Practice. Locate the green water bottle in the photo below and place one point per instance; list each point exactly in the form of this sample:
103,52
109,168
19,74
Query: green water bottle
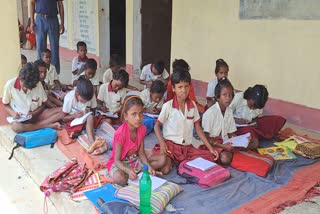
145,191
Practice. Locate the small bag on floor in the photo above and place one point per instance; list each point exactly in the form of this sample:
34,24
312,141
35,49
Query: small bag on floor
308,150
33,139
208,178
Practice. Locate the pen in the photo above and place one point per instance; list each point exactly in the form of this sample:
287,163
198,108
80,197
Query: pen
75,109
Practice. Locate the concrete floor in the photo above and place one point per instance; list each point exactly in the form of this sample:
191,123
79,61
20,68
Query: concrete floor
21,176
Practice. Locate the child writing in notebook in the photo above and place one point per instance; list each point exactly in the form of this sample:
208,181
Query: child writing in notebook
178,117
247,108
79,61
221,70
152,72
128,155
112,94
51,78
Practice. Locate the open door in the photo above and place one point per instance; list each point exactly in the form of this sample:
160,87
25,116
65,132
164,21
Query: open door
156,19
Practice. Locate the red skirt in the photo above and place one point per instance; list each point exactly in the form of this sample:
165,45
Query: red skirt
180,153
267,127
75,131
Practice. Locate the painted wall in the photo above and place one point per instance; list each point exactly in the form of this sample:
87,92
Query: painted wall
10,59
282,54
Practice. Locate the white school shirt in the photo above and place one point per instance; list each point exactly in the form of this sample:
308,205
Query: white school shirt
22,102
146,99
107,75
216,124
111,99
211,87
94,80
51,76
146,74
77,63
241,110
178,127
71,105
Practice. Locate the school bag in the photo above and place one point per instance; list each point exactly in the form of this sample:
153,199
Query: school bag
208,178
35,138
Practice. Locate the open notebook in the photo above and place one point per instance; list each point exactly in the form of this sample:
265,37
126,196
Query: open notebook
80,120
155,181
201,164
19,120
239,141
107,114
247,124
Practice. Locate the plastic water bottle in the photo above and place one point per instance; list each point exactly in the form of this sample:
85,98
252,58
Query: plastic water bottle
145,191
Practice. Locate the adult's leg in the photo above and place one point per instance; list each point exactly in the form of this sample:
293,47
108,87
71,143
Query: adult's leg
41,34
54,34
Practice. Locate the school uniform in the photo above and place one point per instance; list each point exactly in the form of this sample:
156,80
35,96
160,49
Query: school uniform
71,105
77,63
94,80
107,75
51,76
216,124
145,96
211,87
112,100
266,126
21,102
147,75
178,131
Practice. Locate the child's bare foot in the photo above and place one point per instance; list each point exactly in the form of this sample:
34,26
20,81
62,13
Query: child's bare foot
97,143
56,126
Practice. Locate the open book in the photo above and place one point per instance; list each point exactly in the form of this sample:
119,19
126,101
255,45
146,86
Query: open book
80,120
201,164
19,120
155,181
151,115
108,114
239,141
247,124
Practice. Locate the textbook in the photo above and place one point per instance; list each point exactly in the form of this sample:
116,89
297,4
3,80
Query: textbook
278,152
107,114
80,120
201,164
155,181
151,115
19,120
239,141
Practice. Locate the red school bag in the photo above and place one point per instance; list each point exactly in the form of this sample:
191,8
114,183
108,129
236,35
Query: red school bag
208,178
249,161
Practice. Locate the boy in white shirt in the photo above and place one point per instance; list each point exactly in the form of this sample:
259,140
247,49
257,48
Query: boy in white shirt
52,78
115,65
79,61
24,95
153,72
153,97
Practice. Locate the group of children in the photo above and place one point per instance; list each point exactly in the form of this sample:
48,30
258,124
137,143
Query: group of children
171,97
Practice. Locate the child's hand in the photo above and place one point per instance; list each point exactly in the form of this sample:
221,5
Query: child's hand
215,153
17,115
78,114
228,147
133,175
152,171
104,109
163,148
117,112
75,72
242,121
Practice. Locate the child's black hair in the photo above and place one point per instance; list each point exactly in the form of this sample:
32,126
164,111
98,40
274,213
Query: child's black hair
81,44
45,51
222,83
39,63
122,76
259,94
130,101
115,60
91,64
180,64
23,57
220,63
29,76
180,75
159,65
158,87
85,88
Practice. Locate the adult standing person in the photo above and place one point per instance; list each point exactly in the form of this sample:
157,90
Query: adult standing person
47,23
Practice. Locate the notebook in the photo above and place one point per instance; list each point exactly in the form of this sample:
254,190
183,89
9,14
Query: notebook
108,114
80,120
239,141
244,125
155,181
151,115
201,164
19,120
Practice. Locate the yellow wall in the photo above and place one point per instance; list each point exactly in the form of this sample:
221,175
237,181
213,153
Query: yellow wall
129,31
10,57
282,54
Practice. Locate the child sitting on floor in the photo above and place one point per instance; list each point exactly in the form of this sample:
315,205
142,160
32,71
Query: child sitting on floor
75,105
221,70
112,94
115,65
52,100
51,78
152,72
247,110
79,61
24,95
128,155
178,117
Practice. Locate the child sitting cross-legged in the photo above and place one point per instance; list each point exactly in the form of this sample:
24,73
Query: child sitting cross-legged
79,61
128,155
51,78
178,117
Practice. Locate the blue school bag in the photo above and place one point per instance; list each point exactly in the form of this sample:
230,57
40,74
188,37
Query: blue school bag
36,138
149,122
